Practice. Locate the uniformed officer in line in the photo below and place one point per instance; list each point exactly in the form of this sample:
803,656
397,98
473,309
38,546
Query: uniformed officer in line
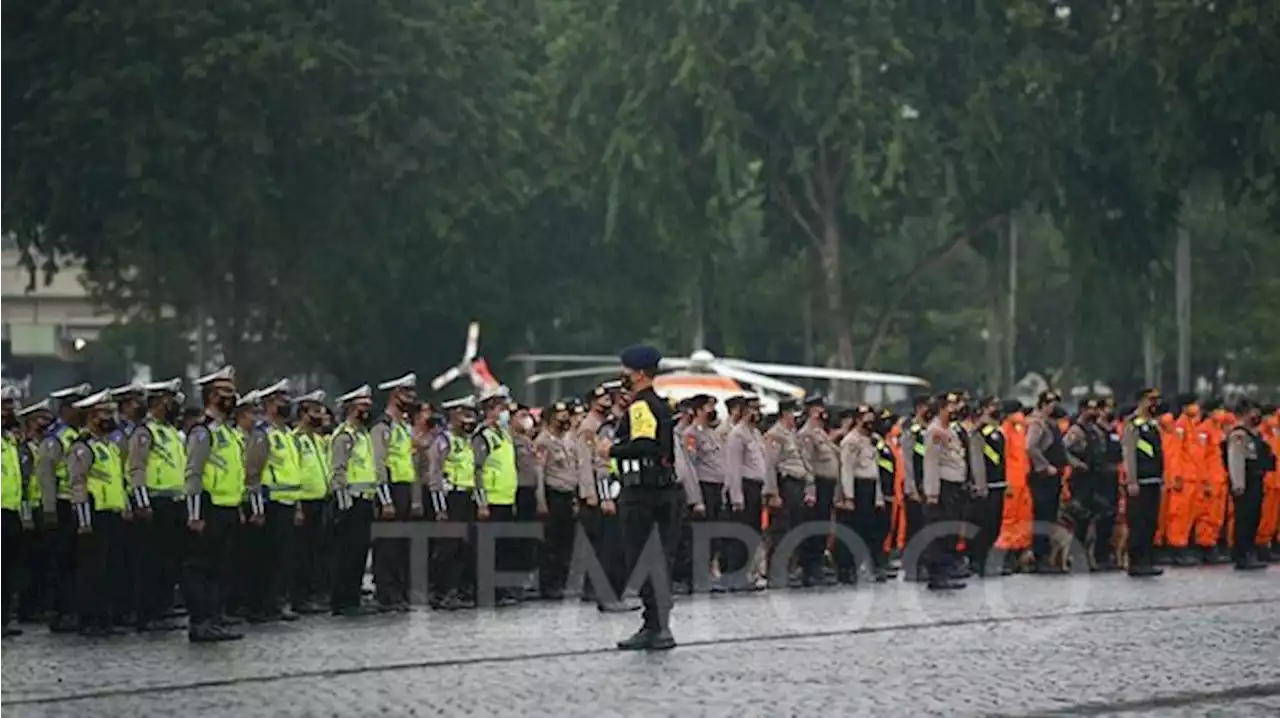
495,471
652,503
886,469
156,460
358,493
794,491
603,527
272,469
33,589
913,445
58,516
131,410
14,481
313,555
457,496
946,472
687,476
214,479
1110,425
1048,458
392,437
1249,458
557,497
1144,476
1092,487
528,468
986,452
736,406
705,447
744,471
861,496
96,474
822,455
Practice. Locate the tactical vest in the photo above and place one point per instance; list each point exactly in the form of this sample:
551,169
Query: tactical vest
35,494
1057,451
993,456
963,434
223,477
105,482
1259,460
1149,450
886,464
460,464
281,476
1094,454
1114,449
400,454
916,432
500,479
11,478
313,466
166,462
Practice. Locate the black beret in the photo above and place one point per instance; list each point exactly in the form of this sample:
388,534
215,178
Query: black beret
1047,396
1010,406
558,407
815,400
597,393
735,401
640,357
1185,400
1244,406
788,405
1090,403
847,414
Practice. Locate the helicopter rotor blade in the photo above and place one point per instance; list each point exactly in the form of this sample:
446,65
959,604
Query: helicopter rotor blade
570,373
566,358
473,342
760,380
446,378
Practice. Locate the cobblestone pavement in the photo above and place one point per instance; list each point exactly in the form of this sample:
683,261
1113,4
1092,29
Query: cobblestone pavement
1195,642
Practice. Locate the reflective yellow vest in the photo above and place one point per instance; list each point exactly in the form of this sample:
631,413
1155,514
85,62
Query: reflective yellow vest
223,476
35,494
11,477
313,466
400,454
460,464
66,436
281,476
500,479
167,460
105,481
360,478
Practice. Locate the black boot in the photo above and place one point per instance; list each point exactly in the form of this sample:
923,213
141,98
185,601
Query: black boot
1215,556
662,640
1266,555
945,583
1146,571
639,641
1250,563
1183,557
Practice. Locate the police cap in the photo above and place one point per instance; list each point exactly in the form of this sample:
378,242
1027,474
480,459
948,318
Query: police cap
1146,392
44,405
79,391
641,357
788,404
814,400
1009,407
1048,396
408,381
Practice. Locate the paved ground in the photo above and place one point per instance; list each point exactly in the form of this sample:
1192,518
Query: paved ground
1196,642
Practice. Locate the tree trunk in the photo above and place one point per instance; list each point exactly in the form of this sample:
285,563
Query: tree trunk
837,322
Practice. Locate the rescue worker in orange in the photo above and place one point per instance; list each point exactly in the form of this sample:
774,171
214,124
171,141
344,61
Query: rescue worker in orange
1269,522
1183,480
1015,523
1168,438
1211,510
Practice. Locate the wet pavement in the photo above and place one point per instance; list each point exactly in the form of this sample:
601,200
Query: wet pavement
1195,642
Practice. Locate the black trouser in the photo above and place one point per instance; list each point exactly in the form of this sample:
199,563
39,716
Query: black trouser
795,515
282,532
986,514
684,568
1046,495
311,555
735,555
1143,515
209,562
62,557
813,548
605,534
505,559
913,512
1248,515
101,579
158,557
526,551
845,558
351,538
244,541
1093,503
12,527
558,534
865,522
940,552
33,584
880,534
455,558
651,528
391,555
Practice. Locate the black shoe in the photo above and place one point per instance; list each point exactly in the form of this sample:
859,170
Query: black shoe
1250,563
65,623
1215,556
551,594
617,607
95,631
311,608
946,584
1266,555
258,617
354,611
451,602
1185,559
212,633
682,588
1145,571
506,600
641,640
1104,566
662,640
159,626
228,621
1163,557
11,630
880,576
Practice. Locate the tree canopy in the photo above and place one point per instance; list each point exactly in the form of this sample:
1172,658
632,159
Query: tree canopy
337,189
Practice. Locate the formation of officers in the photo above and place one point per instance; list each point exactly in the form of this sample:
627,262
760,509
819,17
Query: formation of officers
260,506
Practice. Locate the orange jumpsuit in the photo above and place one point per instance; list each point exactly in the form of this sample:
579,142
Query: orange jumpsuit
1211,510
1015,524
1269,524
1183,479
897,537
1172,448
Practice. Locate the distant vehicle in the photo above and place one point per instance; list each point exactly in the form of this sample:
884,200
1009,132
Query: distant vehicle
704,373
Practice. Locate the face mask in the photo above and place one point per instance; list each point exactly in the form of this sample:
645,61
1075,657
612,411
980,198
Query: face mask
10,422
362,416
227,403
107,424
504,419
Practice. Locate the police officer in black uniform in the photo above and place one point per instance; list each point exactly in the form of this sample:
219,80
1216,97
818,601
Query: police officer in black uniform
1144,477
1092,487
1248,459
651,502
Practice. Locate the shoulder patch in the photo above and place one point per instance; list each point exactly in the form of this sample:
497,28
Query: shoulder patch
691,442
644,425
